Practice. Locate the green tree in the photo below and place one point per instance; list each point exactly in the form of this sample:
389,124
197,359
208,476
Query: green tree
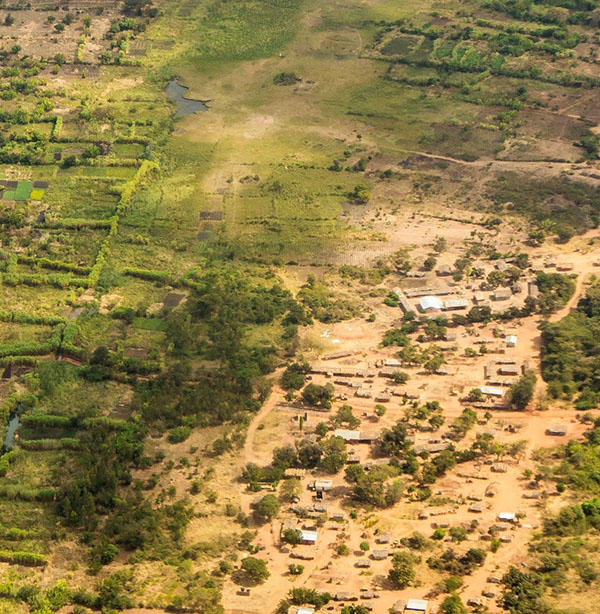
291,536
294,376
255,569
334,454
453,605
402,574
315,394
267,507
521,392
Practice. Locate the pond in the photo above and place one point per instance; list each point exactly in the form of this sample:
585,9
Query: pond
185,106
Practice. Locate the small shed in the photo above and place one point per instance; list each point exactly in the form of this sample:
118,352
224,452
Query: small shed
499,468
450,335
509,370
511,341
363,564
321,485
305,610
492,490
398,607
507,517
416,605
444,270
379,555
476,508
565,266
453,304
502,294
308,537
557,430
533,289
393,362
384,538
493,391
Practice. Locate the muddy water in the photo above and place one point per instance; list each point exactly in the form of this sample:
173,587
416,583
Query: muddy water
185,106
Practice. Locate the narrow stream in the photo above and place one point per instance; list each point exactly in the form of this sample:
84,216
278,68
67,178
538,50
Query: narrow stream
11,428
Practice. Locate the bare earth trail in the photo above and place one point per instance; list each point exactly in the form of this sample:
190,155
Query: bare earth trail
517,164
275,397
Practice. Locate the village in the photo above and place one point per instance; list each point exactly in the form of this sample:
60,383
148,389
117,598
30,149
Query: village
498,497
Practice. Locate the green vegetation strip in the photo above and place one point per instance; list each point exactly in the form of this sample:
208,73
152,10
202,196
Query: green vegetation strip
127,191
28,559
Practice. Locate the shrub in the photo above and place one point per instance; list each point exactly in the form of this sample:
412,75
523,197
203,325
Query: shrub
179,434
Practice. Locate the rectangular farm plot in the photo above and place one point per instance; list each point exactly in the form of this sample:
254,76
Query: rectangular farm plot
37,194
20,190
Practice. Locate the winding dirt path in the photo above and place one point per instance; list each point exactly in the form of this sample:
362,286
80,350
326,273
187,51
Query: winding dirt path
519,164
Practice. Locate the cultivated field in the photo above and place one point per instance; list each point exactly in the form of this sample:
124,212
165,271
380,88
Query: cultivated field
411,186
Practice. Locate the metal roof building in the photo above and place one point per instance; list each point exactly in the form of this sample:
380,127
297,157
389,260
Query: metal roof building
493,391
430,303
455,303
308,537
507,517
416,605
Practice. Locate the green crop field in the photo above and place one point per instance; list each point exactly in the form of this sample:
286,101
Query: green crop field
158,275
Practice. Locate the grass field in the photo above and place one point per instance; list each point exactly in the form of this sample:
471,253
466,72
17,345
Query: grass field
333,131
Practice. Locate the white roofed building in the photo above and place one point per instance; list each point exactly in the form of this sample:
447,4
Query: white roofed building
416,605
430,303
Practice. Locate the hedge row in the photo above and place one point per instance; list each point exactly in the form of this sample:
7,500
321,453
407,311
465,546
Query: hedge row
64,443
14,534
26,349
54,265
29,559
60,340
6,460
48,421
65,422
23,317
149,274
75,223
127,190
18,360
13,491
58,122
114,424
58,280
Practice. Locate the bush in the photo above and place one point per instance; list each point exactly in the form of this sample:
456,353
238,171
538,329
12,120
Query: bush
286,78
179,434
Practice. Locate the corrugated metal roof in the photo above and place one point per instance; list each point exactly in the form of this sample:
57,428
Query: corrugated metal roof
492,390
308,536
430,302
347,434
417,604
